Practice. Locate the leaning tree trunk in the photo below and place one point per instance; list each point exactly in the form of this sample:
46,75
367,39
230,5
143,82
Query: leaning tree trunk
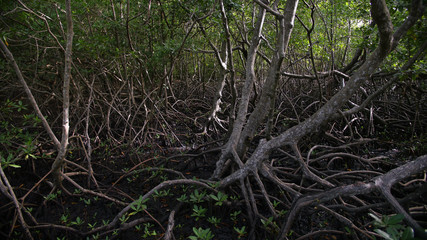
253,166
235,146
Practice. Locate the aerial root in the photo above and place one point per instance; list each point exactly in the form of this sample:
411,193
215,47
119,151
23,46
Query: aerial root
345,220
382,183
264,193
306,169
171,223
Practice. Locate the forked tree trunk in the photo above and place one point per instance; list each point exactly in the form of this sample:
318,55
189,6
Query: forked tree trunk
266,101
244,128
246,92
254,164
381,16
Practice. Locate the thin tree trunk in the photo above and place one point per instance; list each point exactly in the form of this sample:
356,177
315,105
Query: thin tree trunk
212,117
59,161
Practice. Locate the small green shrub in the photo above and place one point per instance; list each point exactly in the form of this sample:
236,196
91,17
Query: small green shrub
202,234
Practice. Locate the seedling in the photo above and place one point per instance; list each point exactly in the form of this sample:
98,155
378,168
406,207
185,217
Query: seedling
282,212
78,221
91,226
8,162
214,184
202,234
183,198
124,218
241,232
184,188
197,197
270,225
234,197
198,212
95,236
214,220
86,201
220,198
52,196
161,193
132,178
64,218
138,205
163,178
234,215
147,232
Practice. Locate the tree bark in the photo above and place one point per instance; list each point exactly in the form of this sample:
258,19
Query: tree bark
59,161
266,102
246,92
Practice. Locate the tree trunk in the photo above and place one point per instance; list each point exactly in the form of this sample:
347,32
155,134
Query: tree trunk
265,102
59,161
246,92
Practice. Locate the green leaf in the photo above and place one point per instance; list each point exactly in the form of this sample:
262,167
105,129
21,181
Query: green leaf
392,232
407,234
213,197
395,219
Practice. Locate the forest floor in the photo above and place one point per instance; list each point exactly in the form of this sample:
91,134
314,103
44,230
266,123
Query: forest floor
125,173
